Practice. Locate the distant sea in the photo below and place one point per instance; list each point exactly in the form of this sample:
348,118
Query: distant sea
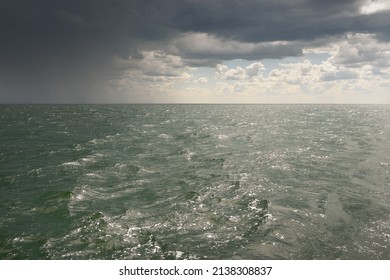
195,182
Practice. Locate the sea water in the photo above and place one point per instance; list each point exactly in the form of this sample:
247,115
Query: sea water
195,182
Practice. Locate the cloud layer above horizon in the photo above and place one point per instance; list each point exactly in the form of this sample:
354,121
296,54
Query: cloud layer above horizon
191,51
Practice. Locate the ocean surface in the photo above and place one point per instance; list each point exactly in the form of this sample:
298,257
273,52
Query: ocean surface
195,182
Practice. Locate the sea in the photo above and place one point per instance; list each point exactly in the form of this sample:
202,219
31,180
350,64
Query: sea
210,182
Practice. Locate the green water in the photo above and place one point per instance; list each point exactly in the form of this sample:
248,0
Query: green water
195,182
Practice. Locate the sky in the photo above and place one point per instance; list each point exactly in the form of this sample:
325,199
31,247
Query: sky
195,51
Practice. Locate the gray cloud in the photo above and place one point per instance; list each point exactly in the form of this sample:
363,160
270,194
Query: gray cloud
203,46
63,51
259,21
340,75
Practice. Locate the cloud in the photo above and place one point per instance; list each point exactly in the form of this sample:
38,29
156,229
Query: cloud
151,73
158,64
250,73
374,6
205,46
79,50
358,50
299,77
265,21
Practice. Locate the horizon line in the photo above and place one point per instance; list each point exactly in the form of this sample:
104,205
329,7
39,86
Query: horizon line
167,103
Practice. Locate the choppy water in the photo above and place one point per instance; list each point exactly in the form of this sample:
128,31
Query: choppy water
195,182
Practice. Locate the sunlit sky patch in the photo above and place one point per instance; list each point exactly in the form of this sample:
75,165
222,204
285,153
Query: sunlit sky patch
374,6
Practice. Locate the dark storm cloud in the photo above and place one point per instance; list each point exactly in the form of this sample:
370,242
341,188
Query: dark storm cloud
62,50
59,26
258,21
264,20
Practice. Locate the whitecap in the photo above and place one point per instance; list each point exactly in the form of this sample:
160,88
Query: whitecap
235,219
71,163
92,158
319,157
35,171
164,136
281,166
141,182
221,146
178,254
89,159
222,136
120,165
78,147
95,175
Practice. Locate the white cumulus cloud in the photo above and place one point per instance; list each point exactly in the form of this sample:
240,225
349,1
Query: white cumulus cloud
249,73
